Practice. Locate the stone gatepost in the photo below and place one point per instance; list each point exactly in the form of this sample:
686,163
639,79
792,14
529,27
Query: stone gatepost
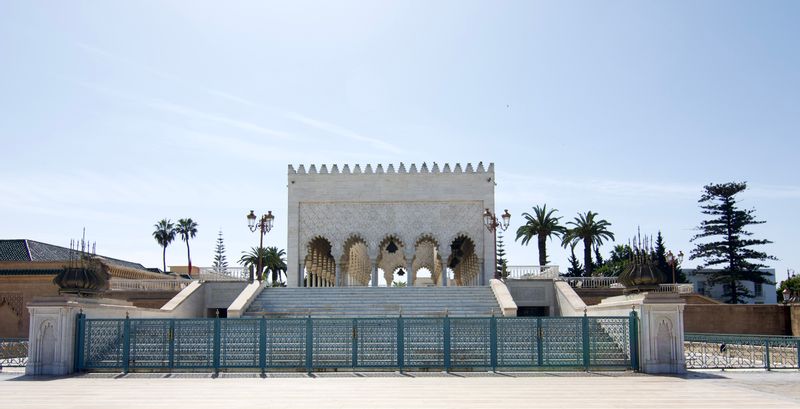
660,328
52,337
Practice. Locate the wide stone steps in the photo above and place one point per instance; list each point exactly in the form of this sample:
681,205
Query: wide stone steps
354,302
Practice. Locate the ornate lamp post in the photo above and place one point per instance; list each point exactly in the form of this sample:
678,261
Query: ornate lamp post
673,261
491,223
264,225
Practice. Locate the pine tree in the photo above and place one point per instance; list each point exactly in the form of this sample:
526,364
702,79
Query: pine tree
660,254
599,262
220,264
502,262
732,249
501,253
575,267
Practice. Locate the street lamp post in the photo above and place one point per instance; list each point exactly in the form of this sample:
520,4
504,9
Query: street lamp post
673,261
264,225
491,223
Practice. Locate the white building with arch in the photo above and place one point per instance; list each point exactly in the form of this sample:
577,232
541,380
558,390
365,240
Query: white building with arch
348,225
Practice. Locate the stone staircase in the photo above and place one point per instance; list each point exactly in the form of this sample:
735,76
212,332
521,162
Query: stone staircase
357,302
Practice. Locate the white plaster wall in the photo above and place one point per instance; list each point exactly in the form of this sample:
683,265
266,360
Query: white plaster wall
533,293
374,205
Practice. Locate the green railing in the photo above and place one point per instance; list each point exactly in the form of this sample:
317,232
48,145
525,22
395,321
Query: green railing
13,352
400,343
719,351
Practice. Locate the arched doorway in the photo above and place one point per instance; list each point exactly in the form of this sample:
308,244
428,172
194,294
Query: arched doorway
464,262
427,262
356,267
391,262
319,265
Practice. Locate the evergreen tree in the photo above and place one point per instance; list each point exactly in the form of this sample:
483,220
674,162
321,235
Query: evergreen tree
620,256
502,262
599,262
731,247
220,264
575,267
660,254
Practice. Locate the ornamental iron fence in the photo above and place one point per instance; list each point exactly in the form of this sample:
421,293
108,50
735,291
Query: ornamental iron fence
400,343
13,352
719,351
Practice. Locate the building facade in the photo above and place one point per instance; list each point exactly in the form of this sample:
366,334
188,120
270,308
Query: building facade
354,226
762,293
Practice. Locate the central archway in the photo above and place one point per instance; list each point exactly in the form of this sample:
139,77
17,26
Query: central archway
391,261
427,260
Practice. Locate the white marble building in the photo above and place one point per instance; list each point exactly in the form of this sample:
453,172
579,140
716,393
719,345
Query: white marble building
349,224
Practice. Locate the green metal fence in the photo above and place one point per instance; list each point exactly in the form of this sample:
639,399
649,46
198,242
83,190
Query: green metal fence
718,351
13,352
362,343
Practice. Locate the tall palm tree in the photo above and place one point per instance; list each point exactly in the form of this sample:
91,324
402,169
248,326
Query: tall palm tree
543,224
275,263
164,235
589,231
187,228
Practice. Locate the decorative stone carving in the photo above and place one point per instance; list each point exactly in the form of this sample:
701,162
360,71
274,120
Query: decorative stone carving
375,221
14,301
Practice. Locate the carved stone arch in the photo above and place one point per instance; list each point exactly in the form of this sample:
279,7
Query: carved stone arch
319,263
426,236
315,238
391,236
351,239
463,260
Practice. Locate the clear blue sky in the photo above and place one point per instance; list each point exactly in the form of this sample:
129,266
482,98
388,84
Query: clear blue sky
117,114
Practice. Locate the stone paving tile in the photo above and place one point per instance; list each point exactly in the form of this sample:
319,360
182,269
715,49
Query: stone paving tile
707,390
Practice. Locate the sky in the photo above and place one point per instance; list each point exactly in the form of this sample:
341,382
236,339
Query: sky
114,115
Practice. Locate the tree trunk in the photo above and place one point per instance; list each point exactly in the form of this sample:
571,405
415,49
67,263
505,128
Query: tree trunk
164,258
189,257
542,250
587,257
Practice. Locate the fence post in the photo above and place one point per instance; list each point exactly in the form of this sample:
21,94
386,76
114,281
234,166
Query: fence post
262,344
217,343
309,344
766,354
446,323
633,339
493,342
354,348
586,360
798,353
79,336
126,344
400,343
171,336
539,336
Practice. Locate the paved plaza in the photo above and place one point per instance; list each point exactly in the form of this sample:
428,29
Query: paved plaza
714,389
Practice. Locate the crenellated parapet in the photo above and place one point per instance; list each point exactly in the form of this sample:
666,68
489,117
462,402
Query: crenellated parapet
380,169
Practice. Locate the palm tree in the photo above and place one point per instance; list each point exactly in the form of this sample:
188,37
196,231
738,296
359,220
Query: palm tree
543,224
187,228
164,235
589,231
275,263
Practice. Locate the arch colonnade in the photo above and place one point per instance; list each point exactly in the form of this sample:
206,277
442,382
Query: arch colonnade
358,262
